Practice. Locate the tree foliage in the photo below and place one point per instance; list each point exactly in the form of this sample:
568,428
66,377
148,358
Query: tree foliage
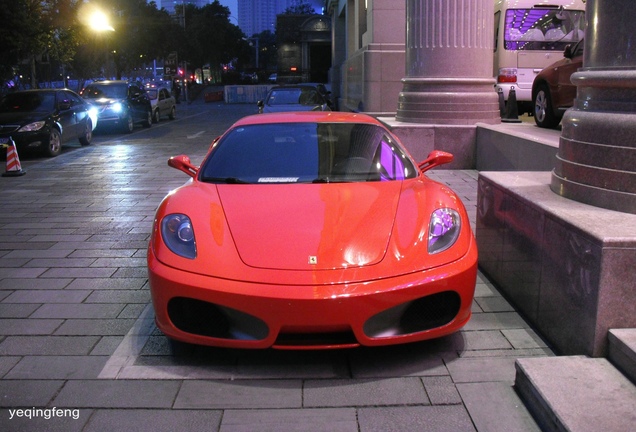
35,31
46,39
211,38
300,7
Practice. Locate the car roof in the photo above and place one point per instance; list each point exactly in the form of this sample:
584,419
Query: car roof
292,86
48,90
122,82
308,116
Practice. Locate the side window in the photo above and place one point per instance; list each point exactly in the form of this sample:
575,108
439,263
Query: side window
391,161
134,91
72,98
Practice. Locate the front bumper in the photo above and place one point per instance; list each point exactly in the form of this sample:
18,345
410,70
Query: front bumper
209,311
28,140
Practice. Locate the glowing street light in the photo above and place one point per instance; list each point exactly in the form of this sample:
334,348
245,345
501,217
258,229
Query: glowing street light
98,21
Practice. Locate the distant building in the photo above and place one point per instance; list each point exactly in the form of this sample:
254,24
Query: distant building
172,5
256,16
304,48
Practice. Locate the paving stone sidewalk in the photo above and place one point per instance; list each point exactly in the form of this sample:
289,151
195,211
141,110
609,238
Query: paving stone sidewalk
79,350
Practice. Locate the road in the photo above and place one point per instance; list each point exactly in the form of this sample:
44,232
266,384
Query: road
77,329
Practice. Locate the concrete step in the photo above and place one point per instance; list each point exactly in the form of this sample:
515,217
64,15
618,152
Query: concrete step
577,394
622,351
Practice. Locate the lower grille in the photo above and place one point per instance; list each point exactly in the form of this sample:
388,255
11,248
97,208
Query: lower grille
425,313
208,319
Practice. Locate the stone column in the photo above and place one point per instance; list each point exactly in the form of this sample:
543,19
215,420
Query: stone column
596,162
449,49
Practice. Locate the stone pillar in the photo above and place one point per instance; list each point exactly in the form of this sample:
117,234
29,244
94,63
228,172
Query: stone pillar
596,162
449,49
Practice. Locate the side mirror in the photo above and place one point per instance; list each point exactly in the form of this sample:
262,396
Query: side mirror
435,158
567,52
182,163
260,104
64,105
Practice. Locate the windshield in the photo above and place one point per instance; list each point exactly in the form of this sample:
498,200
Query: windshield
542,29
112,91
26,102
306,153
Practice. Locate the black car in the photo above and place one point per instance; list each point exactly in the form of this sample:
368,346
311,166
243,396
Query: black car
119,103
300,97
45,119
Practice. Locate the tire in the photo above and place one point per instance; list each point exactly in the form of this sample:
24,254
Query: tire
544,116
156,116
148,122
54,144
129,124
86,137
173,113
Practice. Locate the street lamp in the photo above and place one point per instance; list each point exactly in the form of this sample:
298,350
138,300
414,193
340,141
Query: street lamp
99,22
255,46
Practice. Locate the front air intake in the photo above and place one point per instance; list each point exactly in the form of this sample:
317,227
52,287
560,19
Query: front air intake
208,319
425,313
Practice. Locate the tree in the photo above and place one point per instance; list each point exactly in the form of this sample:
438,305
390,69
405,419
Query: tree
211,38
24,33
300,7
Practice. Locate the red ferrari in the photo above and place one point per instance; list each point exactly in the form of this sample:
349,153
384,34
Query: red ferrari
310,230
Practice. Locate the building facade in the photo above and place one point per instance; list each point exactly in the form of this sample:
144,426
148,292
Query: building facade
368,53
258,16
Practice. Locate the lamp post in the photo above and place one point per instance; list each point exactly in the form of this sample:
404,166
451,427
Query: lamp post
99,22
255,45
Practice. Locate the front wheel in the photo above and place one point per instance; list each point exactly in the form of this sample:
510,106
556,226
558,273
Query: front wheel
87,136
544,116
129,124
156,116
54,144
148,122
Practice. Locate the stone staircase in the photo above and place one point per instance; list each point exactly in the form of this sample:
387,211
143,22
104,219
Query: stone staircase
583,394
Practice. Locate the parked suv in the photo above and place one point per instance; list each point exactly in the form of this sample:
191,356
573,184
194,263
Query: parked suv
553,91
119,103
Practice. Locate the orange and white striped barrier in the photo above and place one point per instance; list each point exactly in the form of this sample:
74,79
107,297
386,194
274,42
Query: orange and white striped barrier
13,168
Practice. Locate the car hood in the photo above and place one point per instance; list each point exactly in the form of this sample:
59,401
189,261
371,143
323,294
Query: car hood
309,234
310,227
104,101
22,118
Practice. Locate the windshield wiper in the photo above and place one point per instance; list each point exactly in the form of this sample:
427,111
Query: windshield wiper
321,180
227,180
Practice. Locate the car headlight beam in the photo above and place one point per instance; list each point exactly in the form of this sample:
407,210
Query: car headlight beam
178,235
117,107
443,230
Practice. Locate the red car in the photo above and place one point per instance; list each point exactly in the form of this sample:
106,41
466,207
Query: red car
310,230
552,89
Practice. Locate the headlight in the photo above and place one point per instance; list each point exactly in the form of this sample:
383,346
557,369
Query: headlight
443,230
117,107
32,126
178,235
